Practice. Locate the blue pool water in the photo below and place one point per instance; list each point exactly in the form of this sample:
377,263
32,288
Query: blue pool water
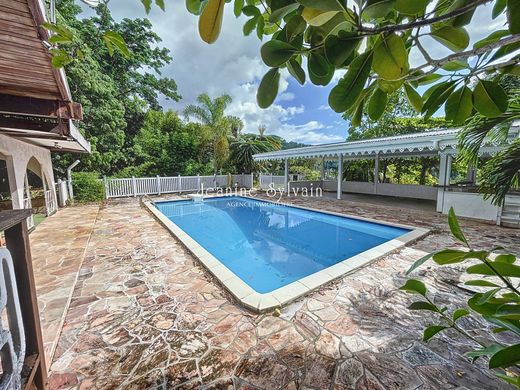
269,245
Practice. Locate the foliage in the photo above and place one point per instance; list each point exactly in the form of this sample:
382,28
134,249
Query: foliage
499,305
87,187
211,114
503,170
114,90
167,146
245,146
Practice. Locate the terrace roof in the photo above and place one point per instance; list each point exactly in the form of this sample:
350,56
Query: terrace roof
406,145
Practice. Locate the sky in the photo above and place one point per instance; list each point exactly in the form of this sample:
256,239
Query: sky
233,65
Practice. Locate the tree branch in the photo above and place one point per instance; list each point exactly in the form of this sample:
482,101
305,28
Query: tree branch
422,22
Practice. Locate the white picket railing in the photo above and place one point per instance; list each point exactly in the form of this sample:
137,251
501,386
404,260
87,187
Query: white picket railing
137,186
28,205
50,203
267,180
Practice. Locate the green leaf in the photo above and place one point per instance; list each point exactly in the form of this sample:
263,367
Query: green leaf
513,16
345,93
318,65
503,269
323,5
295,27
260,27
377,104
338,50
449,256
509,312
358,114
375,9
268,88
490,99
237,6
414,286
439,94
481,283
390,58
431,331
147,5
195,6
512,380
316,18
420,262
499,7
160,4
456,65
459,313
249,26
488,295
495,36
510,259
505,357
389,86
251,11
296,70
280,8
60,58
459,106
428,79
275,53
114,40
455,39
490,350
455,227
413,97
423,306
411,7
210,21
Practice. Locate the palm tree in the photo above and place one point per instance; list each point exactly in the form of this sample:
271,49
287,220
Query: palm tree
247,145
211,113
236,126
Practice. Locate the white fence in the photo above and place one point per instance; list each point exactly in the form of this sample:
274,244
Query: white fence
27,205
137,186
267,180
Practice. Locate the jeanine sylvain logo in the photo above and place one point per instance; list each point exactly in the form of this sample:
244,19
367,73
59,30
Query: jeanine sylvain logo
271,192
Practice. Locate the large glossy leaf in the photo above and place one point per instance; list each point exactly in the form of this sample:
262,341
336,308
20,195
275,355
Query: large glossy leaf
237,6
210,20
275,53
489,99
505,357
390,57
456,39
296,70
437,97
498,8
455,65
495,36
459,313
431,331
315,17
377,104
423,306
506,258
420,262
459,106
338,50
377,8
449,256
490,350
280,8
195,6
411,7
480,283
323,5
348,89
504,269
358,114
488,295
513,16
249,26
268,88
294,27
510,312
455,227
413,97
320,70
389,86
414,286
115,41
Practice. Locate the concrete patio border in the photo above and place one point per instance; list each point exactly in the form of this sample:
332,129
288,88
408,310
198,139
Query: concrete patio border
261,303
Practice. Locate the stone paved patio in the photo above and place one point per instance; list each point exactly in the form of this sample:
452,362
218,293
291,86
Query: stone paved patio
144,314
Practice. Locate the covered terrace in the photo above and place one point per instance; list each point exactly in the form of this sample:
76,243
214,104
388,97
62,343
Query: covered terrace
439,143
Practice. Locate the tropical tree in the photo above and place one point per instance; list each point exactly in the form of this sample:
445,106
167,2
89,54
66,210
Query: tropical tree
237,125
211,114
247,145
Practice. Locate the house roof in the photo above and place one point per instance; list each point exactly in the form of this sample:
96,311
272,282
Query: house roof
406,145
35,99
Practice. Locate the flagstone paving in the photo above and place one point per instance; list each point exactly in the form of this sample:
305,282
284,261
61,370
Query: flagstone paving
57,247
144,314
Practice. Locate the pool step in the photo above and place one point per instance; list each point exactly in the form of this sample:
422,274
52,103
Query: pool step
511,212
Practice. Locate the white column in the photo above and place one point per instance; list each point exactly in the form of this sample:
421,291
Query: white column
340,176
376,172
322,168
445,161
286,176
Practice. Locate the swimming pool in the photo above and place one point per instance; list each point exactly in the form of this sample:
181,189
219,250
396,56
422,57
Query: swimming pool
270,247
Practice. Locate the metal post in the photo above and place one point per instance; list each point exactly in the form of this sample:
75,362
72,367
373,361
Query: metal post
158,185
198,182
180,182
376,172
106,187
286,176
340,176
322,173
69,178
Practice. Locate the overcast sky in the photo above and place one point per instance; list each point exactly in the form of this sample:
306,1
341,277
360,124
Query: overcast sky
233,65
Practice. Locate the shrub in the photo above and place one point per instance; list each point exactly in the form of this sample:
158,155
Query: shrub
87,187
499,304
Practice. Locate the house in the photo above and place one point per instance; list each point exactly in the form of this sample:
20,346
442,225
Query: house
37,113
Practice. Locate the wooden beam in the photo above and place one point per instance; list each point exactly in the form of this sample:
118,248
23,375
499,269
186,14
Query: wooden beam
9,122
21,105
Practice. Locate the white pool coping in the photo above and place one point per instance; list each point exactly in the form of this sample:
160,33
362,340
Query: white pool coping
284,295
